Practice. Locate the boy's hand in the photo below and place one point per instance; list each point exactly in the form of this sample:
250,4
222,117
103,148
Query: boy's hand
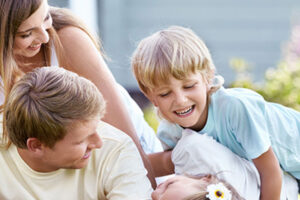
270,175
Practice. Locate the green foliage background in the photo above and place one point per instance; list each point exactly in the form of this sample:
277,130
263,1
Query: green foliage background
281,84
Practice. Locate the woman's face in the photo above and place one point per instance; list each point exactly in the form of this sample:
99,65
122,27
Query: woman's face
178,188
32,32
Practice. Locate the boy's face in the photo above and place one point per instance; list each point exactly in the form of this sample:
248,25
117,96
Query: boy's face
178,188
183,102
74,150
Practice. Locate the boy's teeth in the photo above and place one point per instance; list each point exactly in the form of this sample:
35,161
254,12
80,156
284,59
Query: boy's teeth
184,111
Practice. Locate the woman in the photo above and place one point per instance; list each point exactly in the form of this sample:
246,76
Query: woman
33,35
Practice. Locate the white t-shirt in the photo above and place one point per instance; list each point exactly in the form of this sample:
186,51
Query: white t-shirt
114,172
197,154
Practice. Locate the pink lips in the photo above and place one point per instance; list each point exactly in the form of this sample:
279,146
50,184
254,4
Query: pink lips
35,48
187,113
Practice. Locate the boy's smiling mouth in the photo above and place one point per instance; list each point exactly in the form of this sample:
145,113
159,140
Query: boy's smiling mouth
185,112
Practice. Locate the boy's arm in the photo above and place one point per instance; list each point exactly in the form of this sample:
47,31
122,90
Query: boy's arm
161,163
270,175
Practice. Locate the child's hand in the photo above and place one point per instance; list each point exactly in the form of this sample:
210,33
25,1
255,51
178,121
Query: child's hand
270,175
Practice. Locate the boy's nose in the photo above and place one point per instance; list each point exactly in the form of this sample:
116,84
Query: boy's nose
180,98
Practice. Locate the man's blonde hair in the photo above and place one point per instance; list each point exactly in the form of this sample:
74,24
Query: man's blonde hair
45,102
175,51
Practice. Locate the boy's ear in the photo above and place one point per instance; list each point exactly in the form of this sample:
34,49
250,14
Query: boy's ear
34,145
151,98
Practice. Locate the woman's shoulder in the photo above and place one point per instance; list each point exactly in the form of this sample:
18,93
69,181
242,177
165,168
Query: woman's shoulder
71,34
78,47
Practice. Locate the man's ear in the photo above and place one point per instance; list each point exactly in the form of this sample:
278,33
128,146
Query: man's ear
34,145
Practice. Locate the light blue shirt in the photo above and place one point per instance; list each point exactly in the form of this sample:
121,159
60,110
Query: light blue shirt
244,122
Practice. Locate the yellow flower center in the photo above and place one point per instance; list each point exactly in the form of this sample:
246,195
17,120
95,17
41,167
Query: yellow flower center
219,194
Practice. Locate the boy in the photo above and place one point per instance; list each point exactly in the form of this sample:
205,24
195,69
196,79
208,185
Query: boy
60,149
175,71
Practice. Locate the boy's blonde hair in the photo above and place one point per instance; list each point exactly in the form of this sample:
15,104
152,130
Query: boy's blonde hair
175,51
46,102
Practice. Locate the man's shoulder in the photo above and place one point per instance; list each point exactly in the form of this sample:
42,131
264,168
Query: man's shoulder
108,132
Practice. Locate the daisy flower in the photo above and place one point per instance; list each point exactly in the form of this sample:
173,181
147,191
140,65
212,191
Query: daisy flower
218,192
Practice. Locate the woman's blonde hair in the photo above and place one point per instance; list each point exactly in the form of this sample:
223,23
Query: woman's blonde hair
44,103
175,51
212,179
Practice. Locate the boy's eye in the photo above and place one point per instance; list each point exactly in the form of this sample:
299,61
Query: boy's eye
189,86
164,94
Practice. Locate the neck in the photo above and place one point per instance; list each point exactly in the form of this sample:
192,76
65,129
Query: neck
27,64
33,161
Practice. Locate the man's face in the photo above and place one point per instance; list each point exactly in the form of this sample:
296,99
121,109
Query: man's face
74,150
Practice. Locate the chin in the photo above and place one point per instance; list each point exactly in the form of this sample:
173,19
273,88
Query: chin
187,124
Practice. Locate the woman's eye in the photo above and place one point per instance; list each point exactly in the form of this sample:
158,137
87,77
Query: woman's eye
26,35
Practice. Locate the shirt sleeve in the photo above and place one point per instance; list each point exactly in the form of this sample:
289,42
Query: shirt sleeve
247,121
126,177
169,134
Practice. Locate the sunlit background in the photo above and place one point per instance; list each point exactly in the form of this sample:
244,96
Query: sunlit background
252,30
254,44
